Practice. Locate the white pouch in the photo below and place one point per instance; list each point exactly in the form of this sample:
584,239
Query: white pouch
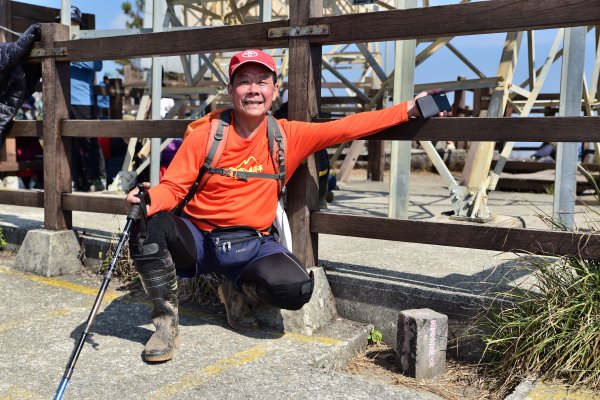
282,225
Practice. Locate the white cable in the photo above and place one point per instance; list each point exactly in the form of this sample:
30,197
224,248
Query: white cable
10,31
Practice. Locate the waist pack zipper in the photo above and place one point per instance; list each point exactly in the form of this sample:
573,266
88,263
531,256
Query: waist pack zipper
225,243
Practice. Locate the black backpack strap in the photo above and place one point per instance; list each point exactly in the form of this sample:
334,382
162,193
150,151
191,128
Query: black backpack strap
224,121
274,133
242,175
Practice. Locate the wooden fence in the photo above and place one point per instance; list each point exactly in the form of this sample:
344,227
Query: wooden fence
304,91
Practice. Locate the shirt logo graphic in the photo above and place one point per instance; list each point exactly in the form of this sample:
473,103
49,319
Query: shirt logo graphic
245,166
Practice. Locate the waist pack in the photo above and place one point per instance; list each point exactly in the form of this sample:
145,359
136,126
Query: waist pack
232,247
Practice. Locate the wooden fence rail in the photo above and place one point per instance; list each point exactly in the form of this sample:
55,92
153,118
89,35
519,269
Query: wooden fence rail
442,21
555,129
304,88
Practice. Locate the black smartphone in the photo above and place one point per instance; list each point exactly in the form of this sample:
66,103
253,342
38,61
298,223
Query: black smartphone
432,104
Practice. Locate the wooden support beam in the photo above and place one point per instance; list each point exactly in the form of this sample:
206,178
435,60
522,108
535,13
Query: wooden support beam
376,160
473,236
56,97
26,198
554,129
94,203
458,20
190,41
304,85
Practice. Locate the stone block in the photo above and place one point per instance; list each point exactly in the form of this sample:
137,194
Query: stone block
318,312
49,253
422,343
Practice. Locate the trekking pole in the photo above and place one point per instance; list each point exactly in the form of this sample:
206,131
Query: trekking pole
133,215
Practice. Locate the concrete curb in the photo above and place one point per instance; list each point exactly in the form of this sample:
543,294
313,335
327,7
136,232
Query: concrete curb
522,390
92,245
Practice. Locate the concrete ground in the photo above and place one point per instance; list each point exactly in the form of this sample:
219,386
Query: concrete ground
42,318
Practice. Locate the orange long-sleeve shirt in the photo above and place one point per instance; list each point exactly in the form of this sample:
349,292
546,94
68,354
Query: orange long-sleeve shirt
225,201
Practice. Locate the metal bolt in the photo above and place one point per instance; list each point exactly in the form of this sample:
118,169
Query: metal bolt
297,31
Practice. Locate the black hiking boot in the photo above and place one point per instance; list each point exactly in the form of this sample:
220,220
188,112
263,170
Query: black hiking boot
161,286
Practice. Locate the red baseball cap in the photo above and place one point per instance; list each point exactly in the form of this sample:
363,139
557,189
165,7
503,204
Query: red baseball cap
251,55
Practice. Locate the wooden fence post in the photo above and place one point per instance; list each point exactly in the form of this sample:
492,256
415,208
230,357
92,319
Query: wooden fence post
56,97
304,88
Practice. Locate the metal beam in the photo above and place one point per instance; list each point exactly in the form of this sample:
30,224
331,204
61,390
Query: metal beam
404,78
571,81
474,202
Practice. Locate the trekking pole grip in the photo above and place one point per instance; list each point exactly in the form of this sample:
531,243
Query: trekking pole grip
136,209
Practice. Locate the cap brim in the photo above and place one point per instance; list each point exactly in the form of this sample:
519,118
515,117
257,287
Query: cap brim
252,61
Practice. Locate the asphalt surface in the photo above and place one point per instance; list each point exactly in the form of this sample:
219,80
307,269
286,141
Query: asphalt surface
41,319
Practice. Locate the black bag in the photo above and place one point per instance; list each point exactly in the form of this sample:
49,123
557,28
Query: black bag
232,247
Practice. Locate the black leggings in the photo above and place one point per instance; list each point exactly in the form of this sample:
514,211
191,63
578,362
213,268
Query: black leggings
167,236
169,240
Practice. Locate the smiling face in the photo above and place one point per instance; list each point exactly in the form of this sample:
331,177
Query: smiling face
253,90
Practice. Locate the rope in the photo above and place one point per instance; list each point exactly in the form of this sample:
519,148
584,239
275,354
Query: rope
10,31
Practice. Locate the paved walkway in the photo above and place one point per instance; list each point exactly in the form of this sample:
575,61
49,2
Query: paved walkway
42,318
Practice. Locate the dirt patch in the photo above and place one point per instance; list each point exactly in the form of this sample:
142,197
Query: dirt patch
8,255
460,381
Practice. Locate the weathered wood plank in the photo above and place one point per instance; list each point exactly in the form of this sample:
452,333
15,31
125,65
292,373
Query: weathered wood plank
303,78
551,129
26,14
70,201
94,203
555,129
26,129
167,128
34,13
458,20
56,97
189,41
473,236
20,165
25,198
464,235
525,167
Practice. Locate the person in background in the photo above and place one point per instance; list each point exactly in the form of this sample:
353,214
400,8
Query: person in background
103,101
88,169
30,149
587,152
547,149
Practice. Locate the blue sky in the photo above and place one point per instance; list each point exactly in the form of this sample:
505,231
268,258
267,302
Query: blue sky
483,50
